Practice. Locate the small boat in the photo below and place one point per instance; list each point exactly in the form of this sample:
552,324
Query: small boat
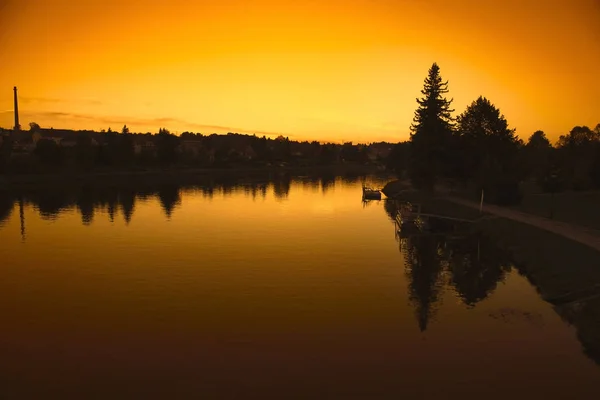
370,193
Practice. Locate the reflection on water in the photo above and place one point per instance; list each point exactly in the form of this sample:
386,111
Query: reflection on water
50,202
449,253
283,287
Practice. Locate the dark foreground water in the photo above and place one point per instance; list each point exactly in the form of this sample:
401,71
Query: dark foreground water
289,288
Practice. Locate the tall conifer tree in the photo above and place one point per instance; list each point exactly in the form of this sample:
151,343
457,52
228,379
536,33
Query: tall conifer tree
431,133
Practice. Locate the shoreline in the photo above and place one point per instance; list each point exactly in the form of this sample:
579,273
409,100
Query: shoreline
173,175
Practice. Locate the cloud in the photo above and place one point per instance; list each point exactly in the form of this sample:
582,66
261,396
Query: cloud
53,100
142,123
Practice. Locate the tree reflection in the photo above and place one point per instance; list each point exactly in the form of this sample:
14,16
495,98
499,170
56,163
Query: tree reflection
476,267
327,182
281,186
351,178
473,262
50,203
112,202
127,203
6,206
85,204
258,189
169,198
424,271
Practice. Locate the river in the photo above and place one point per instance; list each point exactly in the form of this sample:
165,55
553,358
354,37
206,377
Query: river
287,287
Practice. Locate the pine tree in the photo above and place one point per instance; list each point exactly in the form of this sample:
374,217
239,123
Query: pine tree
490,150
431,132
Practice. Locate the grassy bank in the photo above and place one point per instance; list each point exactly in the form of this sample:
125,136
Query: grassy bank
578,208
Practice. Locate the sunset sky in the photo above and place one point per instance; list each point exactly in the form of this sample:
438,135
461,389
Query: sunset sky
326,70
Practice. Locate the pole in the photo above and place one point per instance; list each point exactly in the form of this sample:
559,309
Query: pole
481,203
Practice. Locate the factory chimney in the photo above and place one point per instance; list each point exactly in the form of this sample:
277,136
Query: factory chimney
17,126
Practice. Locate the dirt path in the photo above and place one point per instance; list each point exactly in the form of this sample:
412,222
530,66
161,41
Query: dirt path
589,237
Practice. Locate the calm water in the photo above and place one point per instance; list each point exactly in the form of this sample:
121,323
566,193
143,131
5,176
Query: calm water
291,288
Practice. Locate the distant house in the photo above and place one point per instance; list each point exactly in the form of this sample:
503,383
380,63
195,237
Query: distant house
144,146
37,136
243,151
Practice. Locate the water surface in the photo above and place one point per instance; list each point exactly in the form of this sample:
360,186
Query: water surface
281,288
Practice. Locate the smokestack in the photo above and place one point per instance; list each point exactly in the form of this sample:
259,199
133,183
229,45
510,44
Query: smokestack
17,126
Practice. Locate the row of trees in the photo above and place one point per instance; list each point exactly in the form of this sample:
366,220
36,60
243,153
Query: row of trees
89,150
478,148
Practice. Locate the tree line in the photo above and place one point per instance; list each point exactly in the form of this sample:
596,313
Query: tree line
89,150
478,150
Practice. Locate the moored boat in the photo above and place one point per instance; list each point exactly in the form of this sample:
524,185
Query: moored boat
370,193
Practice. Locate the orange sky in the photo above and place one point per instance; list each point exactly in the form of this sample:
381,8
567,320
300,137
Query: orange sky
327,70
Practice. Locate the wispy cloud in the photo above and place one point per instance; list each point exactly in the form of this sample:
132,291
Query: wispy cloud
141,123
54,100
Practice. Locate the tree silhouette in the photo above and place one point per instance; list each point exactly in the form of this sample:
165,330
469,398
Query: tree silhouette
86,154
577,152
398,160
595,166
537,155
431,132
167,144
490,151
34,127
126,150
